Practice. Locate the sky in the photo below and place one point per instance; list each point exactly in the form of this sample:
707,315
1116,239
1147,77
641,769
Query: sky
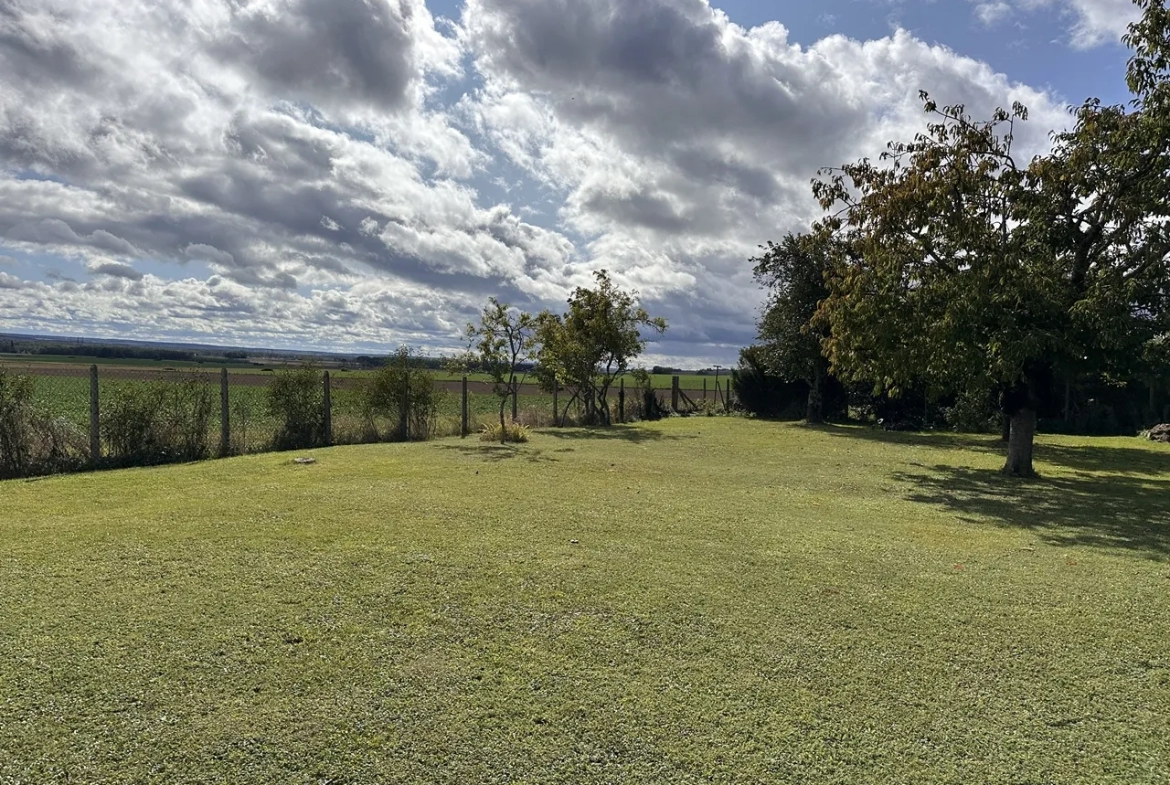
353,175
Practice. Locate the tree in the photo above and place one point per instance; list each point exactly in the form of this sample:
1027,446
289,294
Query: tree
960,266
504,339
403,391
793,271
593,343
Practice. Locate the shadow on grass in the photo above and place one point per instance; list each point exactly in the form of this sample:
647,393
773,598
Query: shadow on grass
1109,510
498,453
1090,458
625,433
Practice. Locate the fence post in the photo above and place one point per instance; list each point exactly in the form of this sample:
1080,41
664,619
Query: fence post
622,401
556,410
225,428
674,393
465,427
727,395
406,406
515,393
95,436
704,388
328,407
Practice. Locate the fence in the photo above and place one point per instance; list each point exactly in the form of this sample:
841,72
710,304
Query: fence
69,417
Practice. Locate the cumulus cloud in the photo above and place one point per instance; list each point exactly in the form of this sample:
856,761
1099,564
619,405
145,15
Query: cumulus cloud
316,172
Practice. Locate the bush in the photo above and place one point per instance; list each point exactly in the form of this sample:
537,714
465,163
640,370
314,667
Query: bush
296,400
513,432
149,423
402,385
32,441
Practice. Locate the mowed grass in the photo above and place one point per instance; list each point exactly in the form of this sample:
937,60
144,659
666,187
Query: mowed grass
698,600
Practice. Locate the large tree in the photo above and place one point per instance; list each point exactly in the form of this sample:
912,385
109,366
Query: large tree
960,265
593,343
793,272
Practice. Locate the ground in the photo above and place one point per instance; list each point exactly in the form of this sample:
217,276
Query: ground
697,600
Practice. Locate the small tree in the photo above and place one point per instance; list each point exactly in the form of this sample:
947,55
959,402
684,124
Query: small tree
593,344
404,391
504,339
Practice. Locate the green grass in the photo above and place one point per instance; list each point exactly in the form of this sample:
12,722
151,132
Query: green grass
699,600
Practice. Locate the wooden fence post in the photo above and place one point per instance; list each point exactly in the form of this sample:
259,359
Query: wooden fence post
328,398
95,435
674,393
622,401
704,388
556,411
225,428
465,425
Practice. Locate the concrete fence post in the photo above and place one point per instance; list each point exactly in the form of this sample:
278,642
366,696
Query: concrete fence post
328,404
95,434
465,427
225,428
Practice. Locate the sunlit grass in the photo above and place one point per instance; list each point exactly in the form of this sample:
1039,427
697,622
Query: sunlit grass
701,600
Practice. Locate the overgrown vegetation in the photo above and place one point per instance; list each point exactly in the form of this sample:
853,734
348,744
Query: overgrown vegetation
32,440
296,400
148,423
401,392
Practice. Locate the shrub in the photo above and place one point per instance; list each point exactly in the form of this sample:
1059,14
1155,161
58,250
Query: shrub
401,386
296,400
148,423
513,432
32,441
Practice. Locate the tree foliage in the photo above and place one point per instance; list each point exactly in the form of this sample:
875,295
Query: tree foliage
793,271
593,343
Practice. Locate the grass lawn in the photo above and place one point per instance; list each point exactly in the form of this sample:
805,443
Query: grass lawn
698,600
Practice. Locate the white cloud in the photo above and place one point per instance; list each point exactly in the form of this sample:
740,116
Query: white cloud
338,194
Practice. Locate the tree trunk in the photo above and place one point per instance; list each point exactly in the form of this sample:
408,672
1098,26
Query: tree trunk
1020,444
503,427
1006,433
814,409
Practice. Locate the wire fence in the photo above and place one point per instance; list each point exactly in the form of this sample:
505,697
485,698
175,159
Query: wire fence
60,418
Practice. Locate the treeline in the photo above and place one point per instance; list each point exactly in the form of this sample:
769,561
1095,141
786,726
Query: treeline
116,351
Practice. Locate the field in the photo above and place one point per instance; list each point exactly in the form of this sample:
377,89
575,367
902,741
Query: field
696,600
76,365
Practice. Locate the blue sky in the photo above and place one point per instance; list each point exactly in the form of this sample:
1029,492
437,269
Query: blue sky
355,174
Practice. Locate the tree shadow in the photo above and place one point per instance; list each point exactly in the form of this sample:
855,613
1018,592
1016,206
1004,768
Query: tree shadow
953,441
498,453
1108,510
1090,458
625,433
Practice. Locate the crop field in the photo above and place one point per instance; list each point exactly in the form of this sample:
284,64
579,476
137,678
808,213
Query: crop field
72,365
690,601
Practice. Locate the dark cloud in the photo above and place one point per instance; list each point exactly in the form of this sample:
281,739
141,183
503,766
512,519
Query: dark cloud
329,52
116,270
